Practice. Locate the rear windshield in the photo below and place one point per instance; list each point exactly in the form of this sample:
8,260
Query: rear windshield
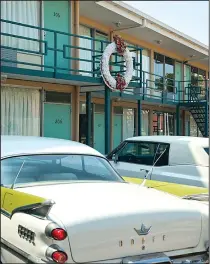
37,169
207,150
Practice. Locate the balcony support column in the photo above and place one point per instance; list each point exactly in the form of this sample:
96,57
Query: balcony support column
139,116
89,118
152,77
177,120
150,122
76,32
107,119
75,64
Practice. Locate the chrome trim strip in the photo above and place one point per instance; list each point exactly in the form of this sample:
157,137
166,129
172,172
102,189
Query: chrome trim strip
20,252
148,259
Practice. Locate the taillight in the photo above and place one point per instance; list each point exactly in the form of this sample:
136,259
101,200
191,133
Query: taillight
55,253
59,257
54,231
58,234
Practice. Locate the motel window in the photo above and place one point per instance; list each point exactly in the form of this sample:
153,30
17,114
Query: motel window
169,73
201,77
26,12
85,67
198,77
99,47
164,68
194,75
145,123
163,123
128,123
145,65
20,111
158,70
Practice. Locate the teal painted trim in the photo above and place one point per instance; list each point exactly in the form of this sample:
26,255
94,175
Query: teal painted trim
107,119
46,74
178,120
89,118
139,117
29,72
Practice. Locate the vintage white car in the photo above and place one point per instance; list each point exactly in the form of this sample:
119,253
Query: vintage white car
168,159
62,202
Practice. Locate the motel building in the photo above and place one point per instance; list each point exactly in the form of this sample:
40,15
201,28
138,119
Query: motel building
52,85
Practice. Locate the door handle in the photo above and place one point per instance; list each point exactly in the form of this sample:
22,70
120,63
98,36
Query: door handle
143,170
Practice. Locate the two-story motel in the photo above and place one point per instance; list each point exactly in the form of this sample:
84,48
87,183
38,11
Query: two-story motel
51,83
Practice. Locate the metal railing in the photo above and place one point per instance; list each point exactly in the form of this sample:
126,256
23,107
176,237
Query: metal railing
57,50
57,53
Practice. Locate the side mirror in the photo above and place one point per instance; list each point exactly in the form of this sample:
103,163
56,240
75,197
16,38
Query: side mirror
115,158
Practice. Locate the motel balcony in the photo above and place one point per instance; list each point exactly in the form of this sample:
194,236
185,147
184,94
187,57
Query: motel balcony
35,53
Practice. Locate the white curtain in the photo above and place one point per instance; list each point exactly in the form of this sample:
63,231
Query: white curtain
84,54
26,12
128,123
145,123
20,111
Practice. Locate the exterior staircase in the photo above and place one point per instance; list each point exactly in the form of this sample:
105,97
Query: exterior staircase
199,110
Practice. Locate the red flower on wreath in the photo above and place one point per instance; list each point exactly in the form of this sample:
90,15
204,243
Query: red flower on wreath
120,44
120,82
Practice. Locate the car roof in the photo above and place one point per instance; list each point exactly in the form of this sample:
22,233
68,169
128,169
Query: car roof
27,145
172,139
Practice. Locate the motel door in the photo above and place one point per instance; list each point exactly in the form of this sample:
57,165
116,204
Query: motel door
56,17
117,126
99,128
57,116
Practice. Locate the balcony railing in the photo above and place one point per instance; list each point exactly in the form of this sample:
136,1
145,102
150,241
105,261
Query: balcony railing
43,52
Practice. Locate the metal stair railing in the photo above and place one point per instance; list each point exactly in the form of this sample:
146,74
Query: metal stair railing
198,110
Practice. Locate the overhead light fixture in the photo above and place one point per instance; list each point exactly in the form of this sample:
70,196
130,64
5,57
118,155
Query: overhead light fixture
158,41
117,24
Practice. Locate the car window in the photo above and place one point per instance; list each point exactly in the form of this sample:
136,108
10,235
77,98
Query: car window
47,168
146,153
207,150
114,151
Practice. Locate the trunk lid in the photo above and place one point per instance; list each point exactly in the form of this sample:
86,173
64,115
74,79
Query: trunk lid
101,219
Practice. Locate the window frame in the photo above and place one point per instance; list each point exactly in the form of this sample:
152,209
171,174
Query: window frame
164,71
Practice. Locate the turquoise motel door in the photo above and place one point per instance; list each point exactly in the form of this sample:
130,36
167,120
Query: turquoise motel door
56,17
99,132
117,130
57,120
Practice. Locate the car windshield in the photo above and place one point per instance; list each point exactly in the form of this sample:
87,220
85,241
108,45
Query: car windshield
42,169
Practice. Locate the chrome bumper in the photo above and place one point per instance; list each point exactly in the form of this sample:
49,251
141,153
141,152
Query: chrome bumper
163,259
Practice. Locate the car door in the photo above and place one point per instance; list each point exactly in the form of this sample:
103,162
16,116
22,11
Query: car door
133,159
137,159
